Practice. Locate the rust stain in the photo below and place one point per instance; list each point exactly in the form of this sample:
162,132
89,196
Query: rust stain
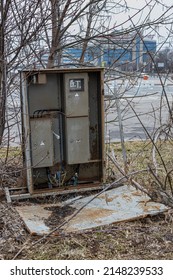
144,202
108,198
92,214
137,193
147,207
154,207
127,197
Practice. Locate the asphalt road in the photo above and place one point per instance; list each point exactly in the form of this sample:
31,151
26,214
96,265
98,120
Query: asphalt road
148,103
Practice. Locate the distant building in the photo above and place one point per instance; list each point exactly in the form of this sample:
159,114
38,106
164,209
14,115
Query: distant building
127,52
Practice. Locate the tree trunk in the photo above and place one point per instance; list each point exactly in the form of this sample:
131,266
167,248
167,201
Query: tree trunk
54,18
2,92
87,37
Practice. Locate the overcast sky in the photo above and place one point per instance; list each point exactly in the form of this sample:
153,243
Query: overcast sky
153,11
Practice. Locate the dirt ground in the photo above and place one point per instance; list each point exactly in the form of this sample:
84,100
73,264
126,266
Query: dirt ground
147,238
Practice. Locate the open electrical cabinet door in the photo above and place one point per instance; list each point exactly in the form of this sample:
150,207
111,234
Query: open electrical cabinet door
63,130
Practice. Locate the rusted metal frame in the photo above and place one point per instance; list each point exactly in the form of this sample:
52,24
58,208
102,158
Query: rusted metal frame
103,125
94,160
57,192
26,124
64,70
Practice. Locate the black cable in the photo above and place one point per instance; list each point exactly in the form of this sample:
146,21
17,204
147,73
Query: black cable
38,112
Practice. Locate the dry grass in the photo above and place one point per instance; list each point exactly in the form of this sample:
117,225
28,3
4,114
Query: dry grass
13,152
139,157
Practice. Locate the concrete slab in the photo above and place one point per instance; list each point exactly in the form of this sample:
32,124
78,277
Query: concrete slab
121,204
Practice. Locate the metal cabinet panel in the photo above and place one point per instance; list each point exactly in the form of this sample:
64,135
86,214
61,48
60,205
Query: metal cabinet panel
41,142
57,139
77,140
76,94
44,96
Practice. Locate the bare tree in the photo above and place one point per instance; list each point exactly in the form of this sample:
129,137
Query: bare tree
20,27
4,9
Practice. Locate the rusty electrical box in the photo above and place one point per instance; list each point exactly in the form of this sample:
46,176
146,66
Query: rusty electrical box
63,130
